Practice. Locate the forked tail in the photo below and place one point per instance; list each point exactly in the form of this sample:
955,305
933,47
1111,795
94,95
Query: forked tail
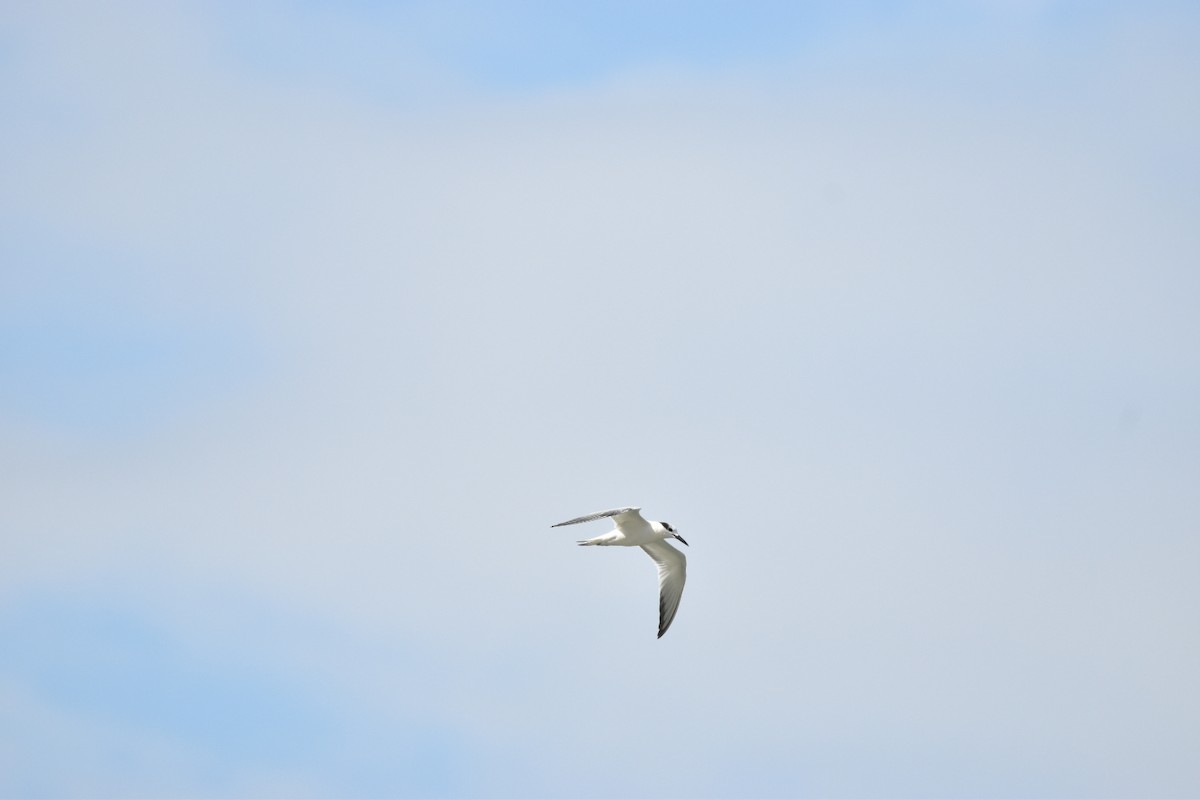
604,539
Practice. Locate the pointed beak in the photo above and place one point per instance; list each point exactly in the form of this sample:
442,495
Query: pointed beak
680,538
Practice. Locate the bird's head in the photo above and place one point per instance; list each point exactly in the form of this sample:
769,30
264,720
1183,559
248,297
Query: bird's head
669,533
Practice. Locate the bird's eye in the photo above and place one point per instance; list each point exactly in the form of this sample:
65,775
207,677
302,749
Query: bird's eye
667,525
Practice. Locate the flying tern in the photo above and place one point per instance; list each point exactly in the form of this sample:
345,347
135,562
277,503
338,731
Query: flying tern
634,531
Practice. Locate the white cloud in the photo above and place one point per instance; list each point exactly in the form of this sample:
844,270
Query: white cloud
910,367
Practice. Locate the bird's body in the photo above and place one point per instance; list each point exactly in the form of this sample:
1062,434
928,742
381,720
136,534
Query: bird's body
634,531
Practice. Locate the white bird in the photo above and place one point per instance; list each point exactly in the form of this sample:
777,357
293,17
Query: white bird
634,531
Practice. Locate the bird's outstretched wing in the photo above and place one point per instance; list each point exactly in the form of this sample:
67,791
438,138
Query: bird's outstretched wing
672,572
612,512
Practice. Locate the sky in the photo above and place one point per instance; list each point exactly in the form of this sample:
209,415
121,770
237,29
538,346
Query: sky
315,316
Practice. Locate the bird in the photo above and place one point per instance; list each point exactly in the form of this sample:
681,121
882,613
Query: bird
634,531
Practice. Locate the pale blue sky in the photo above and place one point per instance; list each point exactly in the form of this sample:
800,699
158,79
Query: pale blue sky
315,316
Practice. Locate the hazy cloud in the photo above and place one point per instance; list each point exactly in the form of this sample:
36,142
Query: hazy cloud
314,320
